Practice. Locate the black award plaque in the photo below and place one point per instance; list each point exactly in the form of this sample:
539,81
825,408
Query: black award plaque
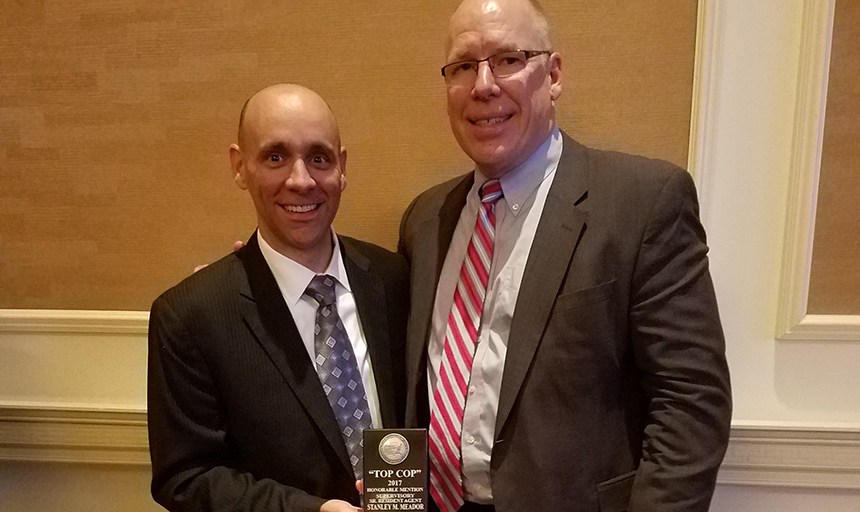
395,469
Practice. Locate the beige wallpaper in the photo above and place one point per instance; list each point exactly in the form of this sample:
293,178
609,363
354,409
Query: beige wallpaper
116,115
834,286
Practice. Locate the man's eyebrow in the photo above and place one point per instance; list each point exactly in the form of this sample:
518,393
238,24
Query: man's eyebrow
274,147
508,47
280,147
320,147
467,56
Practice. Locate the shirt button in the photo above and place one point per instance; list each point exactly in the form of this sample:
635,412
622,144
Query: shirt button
515,207
471,439
472,390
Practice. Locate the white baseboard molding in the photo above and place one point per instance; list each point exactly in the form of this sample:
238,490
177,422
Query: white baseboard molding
782,455
79,435
810,456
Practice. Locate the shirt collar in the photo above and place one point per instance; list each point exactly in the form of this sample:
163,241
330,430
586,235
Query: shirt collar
521,181
292,277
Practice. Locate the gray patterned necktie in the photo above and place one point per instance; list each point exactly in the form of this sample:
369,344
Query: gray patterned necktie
338,370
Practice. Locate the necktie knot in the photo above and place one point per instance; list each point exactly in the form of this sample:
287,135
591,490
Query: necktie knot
490,192
321,289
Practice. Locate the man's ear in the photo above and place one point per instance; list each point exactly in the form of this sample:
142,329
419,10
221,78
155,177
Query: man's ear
555,76
238,167
342,168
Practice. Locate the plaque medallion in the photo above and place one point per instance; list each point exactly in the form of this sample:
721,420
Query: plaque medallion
394,448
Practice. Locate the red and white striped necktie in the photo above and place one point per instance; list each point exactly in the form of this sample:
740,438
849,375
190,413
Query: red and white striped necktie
449,397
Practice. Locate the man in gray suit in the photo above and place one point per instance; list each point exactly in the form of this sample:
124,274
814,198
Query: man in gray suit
564,346
266,366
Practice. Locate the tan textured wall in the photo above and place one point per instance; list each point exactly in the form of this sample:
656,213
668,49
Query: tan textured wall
115,118
834,286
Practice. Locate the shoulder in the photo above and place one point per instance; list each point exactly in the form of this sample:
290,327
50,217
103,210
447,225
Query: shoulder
631,182
373,265
375,257
205,292
429,202
443,189
624,168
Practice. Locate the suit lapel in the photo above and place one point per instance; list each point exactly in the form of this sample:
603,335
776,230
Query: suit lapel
369,292
428,256
549,257
268,317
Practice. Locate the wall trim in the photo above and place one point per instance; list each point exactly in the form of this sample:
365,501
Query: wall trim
772,455
793,322
40,433
795,455
73,321
825,328
820,456
704,104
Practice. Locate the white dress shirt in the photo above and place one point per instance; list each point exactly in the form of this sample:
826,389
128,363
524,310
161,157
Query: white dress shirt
518,213
293,279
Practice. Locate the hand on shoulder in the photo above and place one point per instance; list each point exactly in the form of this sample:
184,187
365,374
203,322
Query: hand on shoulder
238,244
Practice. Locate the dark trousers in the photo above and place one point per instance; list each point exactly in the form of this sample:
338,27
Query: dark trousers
467,507
476,507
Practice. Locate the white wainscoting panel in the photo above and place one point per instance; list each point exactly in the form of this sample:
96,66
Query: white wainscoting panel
73,359
793,322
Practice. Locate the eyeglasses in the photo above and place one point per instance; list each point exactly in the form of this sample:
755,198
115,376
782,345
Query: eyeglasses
501,65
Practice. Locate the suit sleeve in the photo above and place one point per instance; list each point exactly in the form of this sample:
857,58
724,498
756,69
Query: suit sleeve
679,346
193,466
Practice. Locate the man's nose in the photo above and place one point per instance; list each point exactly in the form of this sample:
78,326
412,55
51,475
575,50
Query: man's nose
299,178
485,82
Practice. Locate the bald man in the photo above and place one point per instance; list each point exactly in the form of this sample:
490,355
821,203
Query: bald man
266,366
564,345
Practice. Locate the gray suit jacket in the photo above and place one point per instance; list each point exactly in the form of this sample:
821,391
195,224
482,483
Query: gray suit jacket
615,394
238,420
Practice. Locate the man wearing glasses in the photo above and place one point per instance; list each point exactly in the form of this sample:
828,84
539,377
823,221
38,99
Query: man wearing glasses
564,346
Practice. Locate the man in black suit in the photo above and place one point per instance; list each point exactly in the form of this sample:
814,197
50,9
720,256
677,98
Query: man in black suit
252,400
565,348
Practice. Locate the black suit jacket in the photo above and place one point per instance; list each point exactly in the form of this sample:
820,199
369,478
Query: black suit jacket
237,417
615,393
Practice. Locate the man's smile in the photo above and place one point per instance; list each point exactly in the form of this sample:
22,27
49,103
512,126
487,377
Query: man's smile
489,121
296,208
